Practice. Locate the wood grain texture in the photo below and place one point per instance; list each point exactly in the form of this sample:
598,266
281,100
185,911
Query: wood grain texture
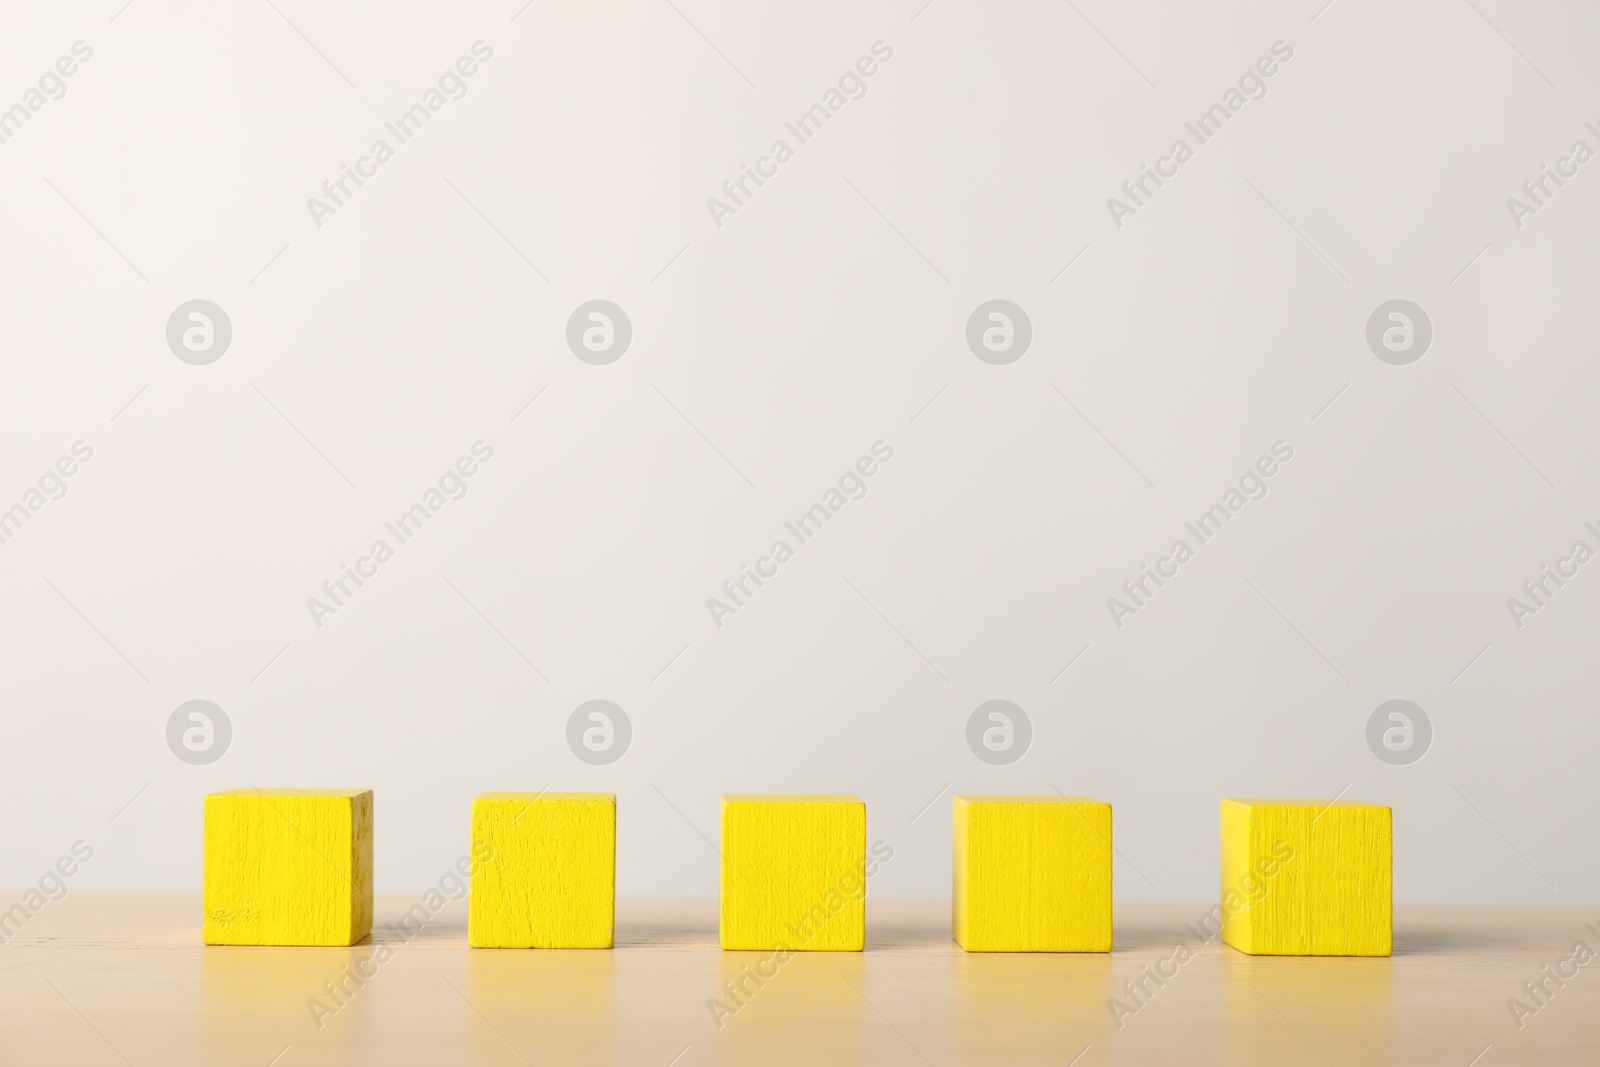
287,867
793,873
104,980
1031,874
545,872
1306,877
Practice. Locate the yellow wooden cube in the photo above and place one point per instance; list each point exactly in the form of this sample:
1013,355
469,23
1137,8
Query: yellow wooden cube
794,873
287,867
545,872
1032,874
1307,877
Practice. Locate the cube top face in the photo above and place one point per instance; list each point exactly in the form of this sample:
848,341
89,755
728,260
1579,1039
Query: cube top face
1313,804
525,798
1307,877
793,873
542,870
789,798
1031,874
287,867
1054,798
348,794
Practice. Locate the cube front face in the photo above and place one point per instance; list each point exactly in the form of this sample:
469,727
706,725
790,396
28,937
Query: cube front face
1307,878
1032,874
793,873
287,867
545,870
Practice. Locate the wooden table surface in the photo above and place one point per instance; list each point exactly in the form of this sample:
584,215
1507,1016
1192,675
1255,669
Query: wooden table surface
98,979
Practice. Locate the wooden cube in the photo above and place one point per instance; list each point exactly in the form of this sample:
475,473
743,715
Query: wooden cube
545,870
1306,877
287,867
1032,874
794,873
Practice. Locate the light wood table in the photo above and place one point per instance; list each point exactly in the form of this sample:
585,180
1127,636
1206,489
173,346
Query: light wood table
123,979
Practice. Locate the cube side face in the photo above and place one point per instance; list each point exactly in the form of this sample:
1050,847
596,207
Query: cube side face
793,874
960,902
545,871
1316,880
1034,876
287,869
1235,863
361,889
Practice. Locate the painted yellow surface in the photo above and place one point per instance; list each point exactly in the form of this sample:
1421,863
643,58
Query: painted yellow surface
1032,874
793,873
544,870
287,867
1306,877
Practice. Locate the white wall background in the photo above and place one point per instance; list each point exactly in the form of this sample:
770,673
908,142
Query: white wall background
768,354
